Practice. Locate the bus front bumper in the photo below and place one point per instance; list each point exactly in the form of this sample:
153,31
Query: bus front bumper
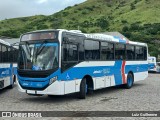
56,88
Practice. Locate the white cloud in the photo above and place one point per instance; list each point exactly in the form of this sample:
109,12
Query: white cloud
21,8
42,1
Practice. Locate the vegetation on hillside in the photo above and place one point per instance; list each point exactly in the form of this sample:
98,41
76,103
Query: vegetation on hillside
139,20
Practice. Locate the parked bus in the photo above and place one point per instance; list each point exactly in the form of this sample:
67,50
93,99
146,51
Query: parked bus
8,59
59,62
158,67
152,64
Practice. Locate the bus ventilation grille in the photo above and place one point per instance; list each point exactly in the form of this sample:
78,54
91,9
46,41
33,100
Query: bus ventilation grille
1,84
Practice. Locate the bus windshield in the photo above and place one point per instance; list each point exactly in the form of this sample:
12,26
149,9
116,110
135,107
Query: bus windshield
38,57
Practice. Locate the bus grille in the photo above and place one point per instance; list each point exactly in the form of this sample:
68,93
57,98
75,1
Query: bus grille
1,84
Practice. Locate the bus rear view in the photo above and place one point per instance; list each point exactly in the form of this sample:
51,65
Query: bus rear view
152,64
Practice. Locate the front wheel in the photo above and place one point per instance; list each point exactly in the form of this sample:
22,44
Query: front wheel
130,81
83,89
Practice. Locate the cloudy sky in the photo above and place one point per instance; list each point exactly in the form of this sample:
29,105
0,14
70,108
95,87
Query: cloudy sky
21,8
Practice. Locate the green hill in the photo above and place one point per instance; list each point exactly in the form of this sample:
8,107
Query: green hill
139,20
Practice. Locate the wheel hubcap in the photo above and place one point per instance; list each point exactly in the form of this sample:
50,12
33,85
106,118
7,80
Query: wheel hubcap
129,81
86,88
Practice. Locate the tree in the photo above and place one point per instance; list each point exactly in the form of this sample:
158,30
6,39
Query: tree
132,6
102,22
125,29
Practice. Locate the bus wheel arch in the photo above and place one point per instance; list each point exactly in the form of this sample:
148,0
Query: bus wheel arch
86,86
89,82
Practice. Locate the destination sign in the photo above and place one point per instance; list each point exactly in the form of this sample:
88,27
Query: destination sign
39,36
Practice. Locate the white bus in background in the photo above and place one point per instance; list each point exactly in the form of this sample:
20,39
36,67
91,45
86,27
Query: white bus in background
158,67
152,64
8,59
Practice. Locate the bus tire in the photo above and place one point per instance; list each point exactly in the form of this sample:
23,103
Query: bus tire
130,81
82,93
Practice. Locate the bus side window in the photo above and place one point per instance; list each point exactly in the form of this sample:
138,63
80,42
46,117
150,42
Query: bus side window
69,55
107,51
72,52
72,49
139,53
88,55
81,49
120,51
130,52
145,53
92,50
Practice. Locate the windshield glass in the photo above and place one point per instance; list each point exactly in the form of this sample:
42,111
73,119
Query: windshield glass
41,56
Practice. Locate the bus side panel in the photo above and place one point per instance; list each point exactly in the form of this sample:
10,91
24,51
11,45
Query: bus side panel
102,72
99,82
57,88
6,74
117,71
140,76
139,69
103,82
112,82
69,86
7,81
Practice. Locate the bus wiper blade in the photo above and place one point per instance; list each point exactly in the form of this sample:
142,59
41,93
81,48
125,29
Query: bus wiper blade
40,48
28,50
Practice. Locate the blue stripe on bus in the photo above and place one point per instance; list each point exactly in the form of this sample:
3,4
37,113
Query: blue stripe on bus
120,40
151,65
80,72
47,44
5,72
34,84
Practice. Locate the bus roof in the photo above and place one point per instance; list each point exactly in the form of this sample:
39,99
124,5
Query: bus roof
106,36
110,38
4,42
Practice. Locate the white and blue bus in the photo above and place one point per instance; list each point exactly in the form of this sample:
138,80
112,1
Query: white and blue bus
8,59
59,62
152,64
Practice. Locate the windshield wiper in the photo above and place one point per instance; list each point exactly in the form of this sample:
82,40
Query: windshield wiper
40,48
28,49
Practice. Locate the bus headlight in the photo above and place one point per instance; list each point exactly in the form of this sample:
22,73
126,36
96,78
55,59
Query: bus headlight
53,80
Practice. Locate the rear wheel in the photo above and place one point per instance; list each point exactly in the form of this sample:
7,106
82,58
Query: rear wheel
83,89
130,81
